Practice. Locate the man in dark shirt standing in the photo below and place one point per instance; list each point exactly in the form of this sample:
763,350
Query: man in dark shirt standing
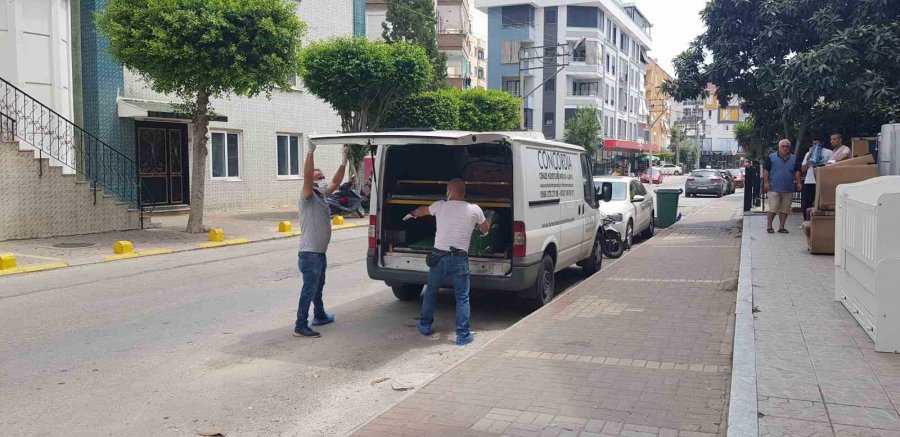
781,177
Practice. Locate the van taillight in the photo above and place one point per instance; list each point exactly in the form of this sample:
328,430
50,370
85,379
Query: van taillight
518,239
373,222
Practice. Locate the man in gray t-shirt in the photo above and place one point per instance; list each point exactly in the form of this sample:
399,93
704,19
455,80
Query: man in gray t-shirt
315,228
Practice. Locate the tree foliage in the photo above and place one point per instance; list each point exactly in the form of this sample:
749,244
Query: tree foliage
415,21
472,110
488,110
201,49
361,79
798,63
584,129
752,142
431,109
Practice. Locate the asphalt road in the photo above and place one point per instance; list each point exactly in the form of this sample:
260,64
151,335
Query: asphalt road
201,341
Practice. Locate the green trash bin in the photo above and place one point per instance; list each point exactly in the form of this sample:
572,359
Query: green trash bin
667,206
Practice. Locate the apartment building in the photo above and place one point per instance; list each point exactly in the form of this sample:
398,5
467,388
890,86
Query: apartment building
102,122
454,35
711,126
479,79
659,104
604,68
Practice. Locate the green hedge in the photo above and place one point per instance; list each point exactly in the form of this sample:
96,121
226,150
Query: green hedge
432,109
472,110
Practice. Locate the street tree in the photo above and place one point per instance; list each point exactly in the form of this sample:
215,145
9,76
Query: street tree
362,79
203,49
584,129
677,140
796,63
415,21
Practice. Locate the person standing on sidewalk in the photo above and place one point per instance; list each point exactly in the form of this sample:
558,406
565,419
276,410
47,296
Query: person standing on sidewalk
781,177
817,156
449,259
315,228
841,152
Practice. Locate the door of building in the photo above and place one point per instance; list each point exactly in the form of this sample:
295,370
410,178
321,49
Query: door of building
162,163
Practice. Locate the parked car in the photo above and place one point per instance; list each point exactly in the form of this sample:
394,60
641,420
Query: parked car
629,198
672,169
541,192
730,181
656,178
738,174
706,181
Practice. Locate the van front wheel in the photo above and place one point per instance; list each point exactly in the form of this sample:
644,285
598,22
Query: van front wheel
541,292
407,292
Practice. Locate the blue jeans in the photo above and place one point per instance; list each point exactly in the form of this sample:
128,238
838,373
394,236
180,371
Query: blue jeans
312,268
455,268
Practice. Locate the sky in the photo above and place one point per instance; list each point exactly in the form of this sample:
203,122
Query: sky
675,24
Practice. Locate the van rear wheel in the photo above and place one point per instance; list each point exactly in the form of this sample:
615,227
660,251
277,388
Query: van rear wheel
592,264
407,292
541,292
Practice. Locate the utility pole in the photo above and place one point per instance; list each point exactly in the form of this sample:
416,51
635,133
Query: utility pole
534,58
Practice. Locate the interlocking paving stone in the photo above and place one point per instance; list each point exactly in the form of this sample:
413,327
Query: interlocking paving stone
639,358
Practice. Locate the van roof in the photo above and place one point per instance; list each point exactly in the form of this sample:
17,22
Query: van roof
459,138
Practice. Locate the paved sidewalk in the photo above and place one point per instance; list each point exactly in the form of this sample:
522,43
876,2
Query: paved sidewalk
643,348
817,371
167,233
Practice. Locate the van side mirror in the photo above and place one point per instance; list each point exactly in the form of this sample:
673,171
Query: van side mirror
604,193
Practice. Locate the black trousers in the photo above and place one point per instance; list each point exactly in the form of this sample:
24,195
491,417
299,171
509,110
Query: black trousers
807,198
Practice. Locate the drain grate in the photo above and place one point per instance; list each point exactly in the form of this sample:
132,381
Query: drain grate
73,245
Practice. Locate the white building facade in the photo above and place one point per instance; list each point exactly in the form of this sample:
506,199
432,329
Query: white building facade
606,71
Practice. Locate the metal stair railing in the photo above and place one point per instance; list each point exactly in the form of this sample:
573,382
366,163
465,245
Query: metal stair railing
25,118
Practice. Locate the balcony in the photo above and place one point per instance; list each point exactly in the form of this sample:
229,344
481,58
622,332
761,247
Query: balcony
452,41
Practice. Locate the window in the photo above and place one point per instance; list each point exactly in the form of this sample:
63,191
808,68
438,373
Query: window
288,155
225,155
582,16
480,54
570,114
550,16
509,52
517,16
550,85
710,114
579,53
480,73
548,119
511,86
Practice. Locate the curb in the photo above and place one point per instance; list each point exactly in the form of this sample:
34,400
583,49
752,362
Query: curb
156,252
743,408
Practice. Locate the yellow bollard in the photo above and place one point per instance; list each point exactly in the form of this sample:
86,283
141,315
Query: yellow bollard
7,261
337,220
216,235
285,226
123,247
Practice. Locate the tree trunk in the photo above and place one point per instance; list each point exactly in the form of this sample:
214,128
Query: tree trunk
799,152
198,169
678,153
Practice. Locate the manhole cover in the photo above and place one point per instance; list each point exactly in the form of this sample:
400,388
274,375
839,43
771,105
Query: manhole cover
72,245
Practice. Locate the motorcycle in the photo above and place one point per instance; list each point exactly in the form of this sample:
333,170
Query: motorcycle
345,200
613,246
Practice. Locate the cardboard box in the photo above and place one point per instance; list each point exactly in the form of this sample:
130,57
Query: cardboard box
829,177
820,233
859,147
861,160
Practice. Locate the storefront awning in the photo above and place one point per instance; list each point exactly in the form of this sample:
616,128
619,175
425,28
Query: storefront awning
137,108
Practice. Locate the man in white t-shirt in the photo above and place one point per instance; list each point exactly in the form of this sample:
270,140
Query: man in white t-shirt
456,219
817,156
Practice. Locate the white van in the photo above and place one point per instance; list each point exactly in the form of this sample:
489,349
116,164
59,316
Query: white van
542,192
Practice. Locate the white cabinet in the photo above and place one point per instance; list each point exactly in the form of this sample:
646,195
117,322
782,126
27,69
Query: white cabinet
867,257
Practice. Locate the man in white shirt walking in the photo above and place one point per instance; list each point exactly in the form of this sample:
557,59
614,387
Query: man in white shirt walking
456,219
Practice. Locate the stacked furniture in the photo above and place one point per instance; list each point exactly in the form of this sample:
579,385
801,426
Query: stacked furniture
820,227
867,257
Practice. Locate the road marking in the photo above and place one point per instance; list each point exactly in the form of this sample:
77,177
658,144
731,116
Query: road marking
34,268
230,242
150,252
